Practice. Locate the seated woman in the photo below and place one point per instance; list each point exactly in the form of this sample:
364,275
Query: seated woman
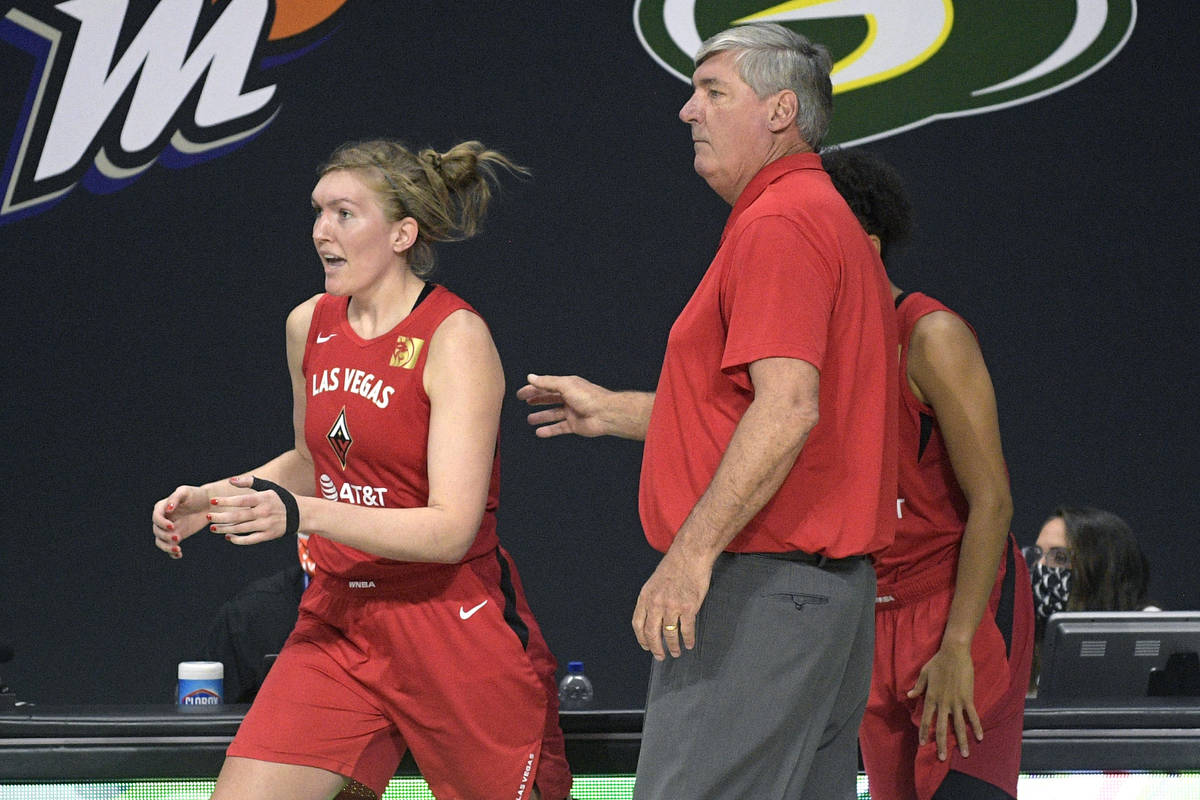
1085,559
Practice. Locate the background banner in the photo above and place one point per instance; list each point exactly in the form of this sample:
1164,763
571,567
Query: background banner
155,225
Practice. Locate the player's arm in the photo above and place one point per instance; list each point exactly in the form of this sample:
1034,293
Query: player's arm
947,371
465,385
186,510
761,453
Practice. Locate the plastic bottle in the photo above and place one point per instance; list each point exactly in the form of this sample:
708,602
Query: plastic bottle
575,690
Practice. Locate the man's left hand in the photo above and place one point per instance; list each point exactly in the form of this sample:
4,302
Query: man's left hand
668,603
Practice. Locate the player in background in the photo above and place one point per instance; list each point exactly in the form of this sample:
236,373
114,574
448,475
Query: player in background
954,620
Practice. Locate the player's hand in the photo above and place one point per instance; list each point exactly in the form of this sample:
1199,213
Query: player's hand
948,683
177,516
249,517
669,602
578,404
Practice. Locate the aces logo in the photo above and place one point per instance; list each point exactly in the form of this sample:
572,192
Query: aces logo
408,350
114,87
902,63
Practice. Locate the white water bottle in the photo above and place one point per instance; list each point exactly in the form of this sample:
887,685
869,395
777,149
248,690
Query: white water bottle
575,690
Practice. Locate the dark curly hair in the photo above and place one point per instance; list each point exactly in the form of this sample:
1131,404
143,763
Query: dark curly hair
874,191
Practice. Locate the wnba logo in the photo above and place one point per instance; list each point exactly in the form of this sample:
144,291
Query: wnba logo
188,86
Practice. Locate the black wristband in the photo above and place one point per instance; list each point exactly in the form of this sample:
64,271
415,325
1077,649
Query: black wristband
289,503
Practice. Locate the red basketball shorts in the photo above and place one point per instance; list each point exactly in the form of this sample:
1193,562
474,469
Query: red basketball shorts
448,664
908,632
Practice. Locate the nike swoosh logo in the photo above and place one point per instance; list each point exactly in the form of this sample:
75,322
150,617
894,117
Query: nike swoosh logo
323,339
468,614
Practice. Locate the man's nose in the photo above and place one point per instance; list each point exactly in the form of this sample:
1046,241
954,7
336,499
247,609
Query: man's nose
689,113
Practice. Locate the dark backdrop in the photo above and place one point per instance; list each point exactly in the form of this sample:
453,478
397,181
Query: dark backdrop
143,333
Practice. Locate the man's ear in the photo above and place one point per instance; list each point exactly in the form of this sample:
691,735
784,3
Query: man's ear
783,111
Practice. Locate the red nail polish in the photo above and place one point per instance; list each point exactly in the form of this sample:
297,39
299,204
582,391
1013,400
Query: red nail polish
212,528
213,501
228,537
170,506
208,517
174,538
170,526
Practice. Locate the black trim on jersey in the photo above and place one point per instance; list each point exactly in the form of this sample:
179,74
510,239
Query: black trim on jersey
1005,607
511,615
428,290
926,433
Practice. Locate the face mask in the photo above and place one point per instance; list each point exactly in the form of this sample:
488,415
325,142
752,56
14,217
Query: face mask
1051,588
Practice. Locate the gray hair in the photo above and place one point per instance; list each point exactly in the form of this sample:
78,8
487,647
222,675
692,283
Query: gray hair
771,58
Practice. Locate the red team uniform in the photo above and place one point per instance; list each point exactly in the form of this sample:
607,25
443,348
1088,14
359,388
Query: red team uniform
916,585
444,660
777,288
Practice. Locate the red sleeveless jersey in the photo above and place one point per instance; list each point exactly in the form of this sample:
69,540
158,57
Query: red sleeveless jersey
931,510
367,424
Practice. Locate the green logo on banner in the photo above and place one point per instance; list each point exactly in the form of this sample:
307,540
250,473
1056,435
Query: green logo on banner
902,63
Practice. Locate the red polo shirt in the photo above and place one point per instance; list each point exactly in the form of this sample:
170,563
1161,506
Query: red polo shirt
794,277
